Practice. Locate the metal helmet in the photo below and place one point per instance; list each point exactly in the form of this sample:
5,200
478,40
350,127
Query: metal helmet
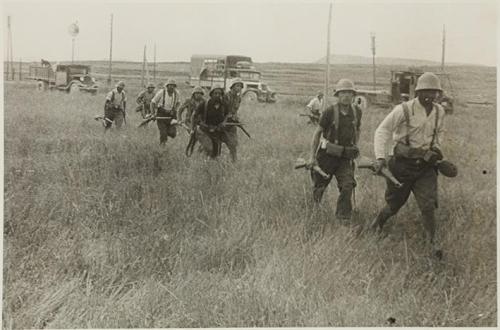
151,85
120,84
237,81
198,89
216,87
428,80
344,85
171,82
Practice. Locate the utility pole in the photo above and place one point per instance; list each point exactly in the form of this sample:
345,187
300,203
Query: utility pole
10,56
373,61
327,74
154,65
444,46
72,50
143,66
110,50
20,68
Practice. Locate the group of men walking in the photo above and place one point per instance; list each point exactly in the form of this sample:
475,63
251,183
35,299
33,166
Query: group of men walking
211,122
415,129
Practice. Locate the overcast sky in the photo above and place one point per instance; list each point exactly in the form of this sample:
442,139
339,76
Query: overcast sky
281,31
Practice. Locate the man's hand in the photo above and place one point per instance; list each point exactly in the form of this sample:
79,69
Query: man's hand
433,155
379,164
312,161
351,152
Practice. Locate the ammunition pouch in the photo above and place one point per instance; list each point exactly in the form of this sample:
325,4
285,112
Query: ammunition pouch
402,150
351,152
332,149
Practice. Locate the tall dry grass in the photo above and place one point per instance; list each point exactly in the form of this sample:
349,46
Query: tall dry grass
115,231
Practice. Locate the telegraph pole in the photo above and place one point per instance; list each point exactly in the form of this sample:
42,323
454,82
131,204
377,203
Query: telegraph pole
10,56
373,61
143,66
444,46
110,50
154,65
327,74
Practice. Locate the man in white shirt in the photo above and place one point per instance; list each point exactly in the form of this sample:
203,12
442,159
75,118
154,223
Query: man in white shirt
415,128
164,104
315,106
114,108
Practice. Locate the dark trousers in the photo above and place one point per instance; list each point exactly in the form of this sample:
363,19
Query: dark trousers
166,130
418,178
343,171
114,115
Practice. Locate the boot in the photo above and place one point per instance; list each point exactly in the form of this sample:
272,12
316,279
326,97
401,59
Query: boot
378,223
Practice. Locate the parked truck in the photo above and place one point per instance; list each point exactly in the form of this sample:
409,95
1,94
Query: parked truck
403,85
71,78
207,70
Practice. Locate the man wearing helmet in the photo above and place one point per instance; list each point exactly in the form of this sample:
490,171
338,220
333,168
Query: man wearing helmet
334,147
114,108
208,121
144,100
233,101
314,107
165,104
415,128
190,105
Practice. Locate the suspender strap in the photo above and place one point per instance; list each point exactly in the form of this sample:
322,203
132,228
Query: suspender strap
406,112
355,124
336,122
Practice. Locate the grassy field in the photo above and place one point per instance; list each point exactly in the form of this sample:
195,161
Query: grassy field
114,231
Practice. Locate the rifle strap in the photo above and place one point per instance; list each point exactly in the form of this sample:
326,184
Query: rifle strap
436,122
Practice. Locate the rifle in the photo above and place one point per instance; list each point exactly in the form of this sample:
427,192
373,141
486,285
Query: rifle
365,163
149,118
239,125
103,119
312,118
301,163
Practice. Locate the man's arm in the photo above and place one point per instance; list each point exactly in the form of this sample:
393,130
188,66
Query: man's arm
383,133
440,129
154,102
181,109
140,98
315,144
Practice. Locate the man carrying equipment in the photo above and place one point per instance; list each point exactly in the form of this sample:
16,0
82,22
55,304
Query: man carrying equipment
415,128
114,108
233,100
334,148
144,100
208,121
190,105
165,104
314,107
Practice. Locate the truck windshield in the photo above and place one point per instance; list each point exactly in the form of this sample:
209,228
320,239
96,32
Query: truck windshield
78,70
250,75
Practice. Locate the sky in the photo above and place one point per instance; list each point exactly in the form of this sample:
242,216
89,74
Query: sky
268,31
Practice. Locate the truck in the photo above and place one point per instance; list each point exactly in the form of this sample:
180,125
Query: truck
70,78
403,85
209,70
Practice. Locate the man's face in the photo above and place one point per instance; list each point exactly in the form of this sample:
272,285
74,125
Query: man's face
236,88
216,94
119,89
345,97
151,89
198,96
170,88
427,96
320,97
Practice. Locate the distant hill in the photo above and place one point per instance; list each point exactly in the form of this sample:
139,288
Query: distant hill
355,59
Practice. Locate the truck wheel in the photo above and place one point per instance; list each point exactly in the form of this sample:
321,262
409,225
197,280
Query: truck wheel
42,86
249,97
362,102
74,89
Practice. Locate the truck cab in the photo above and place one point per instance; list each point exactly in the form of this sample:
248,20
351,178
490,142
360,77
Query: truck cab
207,70
66,77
